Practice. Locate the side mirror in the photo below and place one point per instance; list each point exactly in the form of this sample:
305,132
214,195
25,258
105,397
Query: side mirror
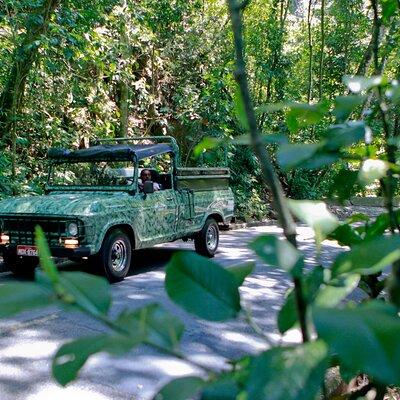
148,187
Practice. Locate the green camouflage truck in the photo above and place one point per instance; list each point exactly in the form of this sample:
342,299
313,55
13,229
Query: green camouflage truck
95,206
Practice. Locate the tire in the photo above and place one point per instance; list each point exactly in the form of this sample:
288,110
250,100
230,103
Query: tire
207,240
114,258
22,267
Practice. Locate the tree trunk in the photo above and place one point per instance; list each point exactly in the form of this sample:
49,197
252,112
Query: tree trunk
123,86
367,58
24,56
321,57
123,108
310,51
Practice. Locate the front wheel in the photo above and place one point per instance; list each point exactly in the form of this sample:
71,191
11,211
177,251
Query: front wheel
114,258
207,240
22,267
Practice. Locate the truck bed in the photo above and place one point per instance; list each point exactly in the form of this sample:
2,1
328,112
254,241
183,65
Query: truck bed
200,179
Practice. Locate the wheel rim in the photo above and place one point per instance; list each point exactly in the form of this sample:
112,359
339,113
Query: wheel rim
212,237
119,255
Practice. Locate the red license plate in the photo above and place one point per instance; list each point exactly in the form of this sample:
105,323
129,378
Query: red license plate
27,251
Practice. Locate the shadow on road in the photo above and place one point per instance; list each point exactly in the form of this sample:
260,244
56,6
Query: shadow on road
27,342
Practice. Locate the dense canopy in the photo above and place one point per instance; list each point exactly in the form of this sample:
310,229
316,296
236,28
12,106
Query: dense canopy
72,71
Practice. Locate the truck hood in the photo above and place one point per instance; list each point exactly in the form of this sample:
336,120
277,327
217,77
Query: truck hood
76,204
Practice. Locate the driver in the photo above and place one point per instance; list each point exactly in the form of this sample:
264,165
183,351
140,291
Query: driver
145,175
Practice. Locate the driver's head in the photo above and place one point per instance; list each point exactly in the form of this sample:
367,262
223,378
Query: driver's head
145,175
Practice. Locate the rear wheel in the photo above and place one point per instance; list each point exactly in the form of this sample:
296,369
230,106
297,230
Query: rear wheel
23,267
207,240
114,258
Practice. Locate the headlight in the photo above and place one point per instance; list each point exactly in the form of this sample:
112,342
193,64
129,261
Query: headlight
72,229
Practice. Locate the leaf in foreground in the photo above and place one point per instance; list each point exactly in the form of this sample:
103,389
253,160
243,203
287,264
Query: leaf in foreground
332,293
202,287
185,388
345,105
288,373
241,271
225,388
158,326
278,253
293,155
89,292
365,339
369,257
287,316
46,262
71,357
150,324
316,215
21,296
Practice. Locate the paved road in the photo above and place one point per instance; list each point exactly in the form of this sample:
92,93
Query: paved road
28,341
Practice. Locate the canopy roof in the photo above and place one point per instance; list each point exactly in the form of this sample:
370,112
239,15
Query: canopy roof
110,152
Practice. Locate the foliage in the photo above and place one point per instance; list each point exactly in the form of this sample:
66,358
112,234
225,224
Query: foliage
356,133
118,67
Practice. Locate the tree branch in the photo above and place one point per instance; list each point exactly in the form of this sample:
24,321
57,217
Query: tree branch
245,3
269,174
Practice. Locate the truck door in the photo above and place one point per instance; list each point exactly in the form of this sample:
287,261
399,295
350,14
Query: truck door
186,211
159,223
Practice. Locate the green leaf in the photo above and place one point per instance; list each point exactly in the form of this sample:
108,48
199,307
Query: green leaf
389,8
278,253
240,109
267,139
288,373
358,217
320,159
371,170
71,357
210,143
202,287
345,105
343,185
155,324
358,84
241,271
181,389
207,143
287,316
379,226
46,262
368,257
331,294
274,107
293,155
316,215
344,135
303,115
345,235
224,388
365,339
20,296
91,293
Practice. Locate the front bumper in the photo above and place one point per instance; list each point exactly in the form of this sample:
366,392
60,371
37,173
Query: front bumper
61,252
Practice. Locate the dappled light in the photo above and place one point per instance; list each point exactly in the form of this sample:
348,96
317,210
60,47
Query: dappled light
30,340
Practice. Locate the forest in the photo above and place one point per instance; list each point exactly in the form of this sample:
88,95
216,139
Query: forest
301,100
72,71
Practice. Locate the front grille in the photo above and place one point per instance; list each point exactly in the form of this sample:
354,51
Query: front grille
22,229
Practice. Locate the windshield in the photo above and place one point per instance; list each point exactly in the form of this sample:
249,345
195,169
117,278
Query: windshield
93,173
